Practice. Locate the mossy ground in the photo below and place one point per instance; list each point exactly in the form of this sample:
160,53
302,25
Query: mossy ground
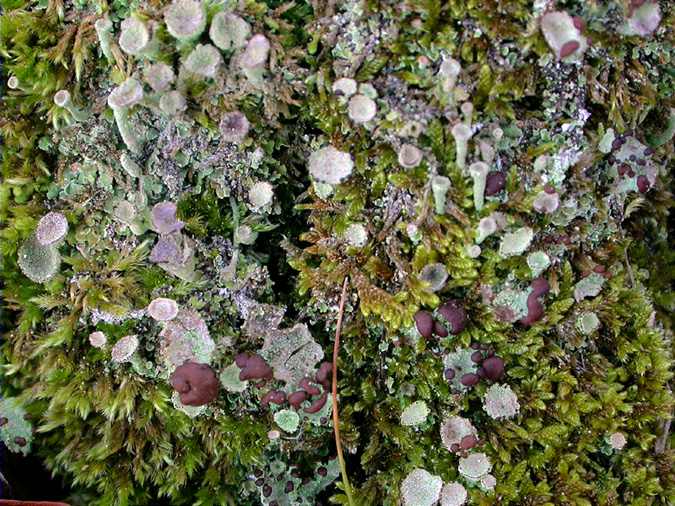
115,436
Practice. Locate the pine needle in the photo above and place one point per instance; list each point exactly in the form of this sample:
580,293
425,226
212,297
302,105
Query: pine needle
336,417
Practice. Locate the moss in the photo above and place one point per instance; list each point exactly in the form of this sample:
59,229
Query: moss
113,430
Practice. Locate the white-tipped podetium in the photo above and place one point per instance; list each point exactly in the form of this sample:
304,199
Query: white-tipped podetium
462,133
204,61
121,99
409,156
159,76
439,188
172,103
104,33
134,37
478,172
98,339
229,31
563,36
63,99
185,19
254,58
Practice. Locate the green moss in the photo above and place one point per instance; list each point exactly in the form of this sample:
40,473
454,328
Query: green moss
116,436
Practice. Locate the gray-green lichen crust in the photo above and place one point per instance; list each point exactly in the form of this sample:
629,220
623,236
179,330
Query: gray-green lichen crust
186,184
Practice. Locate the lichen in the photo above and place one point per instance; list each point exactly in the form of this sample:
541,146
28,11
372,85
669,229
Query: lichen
420,488
193,182
287,420
39,263
415,414
500,402
15,428
475,466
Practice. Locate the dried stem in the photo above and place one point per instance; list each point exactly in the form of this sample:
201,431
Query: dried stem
336,417
662,441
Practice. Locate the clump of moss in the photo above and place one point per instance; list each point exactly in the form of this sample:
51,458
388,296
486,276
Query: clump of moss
491,183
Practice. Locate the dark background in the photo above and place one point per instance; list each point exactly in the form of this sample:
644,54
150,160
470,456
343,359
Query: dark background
28,479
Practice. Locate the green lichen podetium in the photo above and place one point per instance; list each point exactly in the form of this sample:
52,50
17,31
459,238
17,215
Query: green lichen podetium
286,183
